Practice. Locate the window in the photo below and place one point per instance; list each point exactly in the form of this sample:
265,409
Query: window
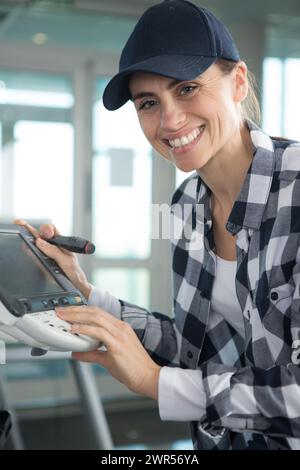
121,215
281,98
121,185
36,159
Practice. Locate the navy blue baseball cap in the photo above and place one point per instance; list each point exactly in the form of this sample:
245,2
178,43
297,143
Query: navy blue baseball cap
175,39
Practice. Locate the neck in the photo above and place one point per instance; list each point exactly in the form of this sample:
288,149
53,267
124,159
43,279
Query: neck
225,172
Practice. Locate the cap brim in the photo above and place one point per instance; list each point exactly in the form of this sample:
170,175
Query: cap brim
179,67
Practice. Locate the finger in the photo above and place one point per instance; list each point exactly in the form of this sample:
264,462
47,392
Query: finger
95,332
29,227
93,317
91,314
48,231
51,250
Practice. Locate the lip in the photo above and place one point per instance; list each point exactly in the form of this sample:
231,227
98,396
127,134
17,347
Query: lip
183,133
186,148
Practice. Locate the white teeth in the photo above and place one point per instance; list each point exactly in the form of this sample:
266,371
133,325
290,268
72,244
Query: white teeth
187,138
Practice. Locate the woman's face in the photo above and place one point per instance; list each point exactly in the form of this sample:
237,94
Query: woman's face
189,122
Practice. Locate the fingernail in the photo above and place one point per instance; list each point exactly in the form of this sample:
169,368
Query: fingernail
46,233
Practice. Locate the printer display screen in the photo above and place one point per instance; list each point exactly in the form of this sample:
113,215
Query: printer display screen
21,272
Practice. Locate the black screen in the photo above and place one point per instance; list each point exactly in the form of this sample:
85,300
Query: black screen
21,273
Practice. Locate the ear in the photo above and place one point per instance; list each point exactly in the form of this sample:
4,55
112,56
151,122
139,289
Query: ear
240,82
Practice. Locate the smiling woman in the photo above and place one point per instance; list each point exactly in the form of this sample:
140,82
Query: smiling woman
226,360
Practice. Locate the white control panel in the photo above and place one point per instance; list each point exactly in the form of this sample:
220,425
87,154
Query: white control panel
44,330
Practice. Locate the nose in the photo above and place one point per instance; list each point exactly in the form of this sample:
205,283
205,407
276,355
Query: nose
172,115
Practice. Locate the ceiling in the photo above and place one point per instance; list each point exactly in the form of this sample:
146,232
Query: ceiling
235,10
106,24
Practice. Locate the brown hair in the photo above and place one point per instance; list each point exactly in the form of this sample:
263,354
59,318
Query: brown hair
250,106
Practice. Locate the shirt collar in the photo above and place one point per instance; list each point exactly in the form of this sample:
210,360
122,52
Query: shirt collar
250,204
248,209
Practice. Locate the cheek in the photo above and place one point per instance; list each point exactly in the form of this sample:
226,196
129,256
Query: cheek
213,103
227,105
150,130
221,114
147,129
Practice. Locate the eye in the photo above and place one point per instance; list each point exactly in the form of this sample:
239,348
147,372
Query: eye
145,105
188,89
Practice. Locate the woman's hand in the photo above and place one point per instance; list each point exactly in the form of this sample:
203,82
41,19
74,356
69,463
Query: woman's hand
125,358
65,259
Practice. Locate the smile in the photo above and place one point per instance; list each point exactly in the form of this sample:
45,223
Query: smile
187,139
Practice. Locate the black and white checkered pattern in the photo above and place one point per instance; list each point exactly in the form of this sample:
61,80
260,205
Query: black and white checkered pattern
252,384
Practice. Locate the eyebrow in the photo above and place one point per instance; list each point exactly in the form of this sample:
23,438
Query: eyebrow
144,94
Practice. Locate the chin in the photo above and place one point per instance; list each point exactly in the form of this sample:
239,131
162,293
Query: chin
189,165
186,168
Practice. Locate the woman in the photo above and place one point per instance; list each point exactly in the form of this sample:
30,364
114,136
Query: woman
226,362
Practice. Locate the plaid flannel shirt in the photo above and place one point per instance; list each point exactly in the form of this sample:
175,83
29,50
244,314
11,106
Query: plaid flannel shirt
253,383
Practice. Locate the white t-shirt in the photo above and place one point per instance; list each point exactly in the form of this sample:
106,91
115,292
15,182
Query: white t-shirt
181,394
224,299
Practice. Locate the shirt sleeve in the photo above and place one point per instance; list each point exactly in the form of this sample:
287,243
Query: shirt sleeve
106,301
157,332
181,396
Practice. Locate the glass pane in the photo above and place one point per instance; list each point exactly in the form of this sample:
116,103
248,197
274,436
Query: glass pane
132,285
1,169
121,183
272,98
36,159
281,99
292,99
43,171
31,89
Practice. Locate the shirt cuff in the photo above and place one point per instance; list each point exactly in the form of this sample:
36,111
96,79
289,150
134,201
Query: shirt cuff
181,395
106,301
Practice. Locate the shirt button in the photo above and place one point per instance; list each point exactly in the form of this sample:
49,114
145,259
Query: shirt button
274,296
190,355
